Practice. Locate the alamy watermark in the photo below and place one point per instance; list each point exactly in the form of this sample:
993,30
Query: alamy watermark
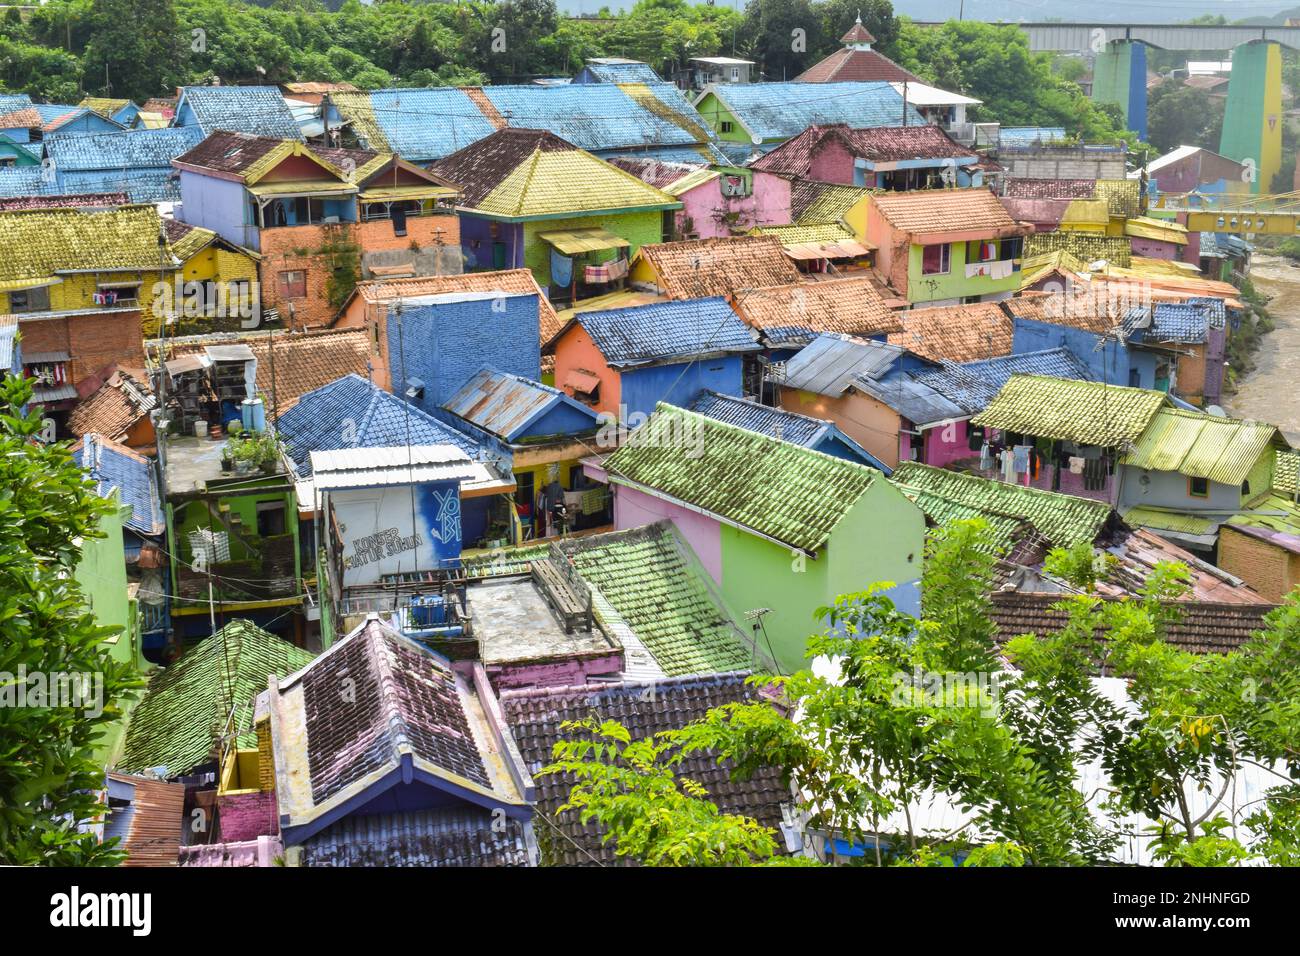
684,433
978,689
71,689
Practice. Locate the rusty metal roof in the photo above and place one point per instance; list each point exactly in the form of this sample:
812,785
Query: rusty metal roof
507,405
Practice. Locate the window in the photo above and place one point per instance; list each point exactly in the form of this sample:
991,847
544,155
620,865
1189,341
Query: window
1198,487
293,284
727,126
934,260
270,518
29,300
8,161
735,73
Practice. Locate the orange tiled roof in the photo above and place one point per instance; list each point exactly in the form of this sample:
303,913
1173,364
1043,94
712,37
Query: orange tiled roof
850,306
956,333
111,410
699,268
924,211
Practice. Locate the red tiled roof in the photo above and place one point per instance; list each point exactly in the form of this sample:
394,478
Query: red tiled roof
482,166
956,333
698,268
850,306
858,34
863,66
925,211
654,172
113,408
76,201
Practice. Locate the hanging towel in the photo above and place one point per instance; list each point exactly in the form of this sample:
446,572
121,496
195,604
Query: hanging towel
1076,465
986,457
561,269
1022,458
1008,466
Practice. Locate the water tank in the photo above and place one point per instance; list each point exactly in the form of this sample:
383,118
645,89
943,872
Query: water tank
253,414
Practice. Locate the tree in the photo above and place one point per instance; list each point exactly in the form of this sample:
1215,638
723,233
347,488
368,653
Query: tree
48,775
1180,115
783,35
134,48
907,708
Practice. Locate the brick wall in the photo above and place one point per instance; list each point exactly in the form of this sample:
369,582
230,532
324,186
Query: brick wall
282,251
94,341
1270,570
1190,384
246,816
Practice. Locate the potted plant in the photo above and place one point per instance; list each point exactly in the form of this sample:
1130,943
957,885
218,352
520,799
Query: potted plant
268,452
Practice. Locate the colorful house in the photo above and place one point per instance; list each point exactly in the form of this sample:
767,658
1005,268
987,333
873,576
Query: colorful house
716,201
137,162
869,390
856,61
303,209
372,301
757,117
444,784
623,362
781,529
884,157
1187,341
1193,465
1076,431
63,120
207,693
699,268
945,247
818,434
540,435
534,201
256,110
122,112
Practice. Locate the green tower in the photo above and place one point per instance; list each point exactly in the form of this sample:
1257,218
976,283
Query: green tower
1252,119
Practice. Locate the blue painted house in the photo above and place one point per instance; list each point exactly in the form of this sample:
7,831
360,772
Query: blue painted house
137,162
18,117
542,435
418,769
623,362
815,433
73,120
257,110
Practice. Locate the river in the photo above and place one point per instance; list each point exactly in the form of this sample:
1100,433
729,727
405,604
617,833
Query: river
1271,393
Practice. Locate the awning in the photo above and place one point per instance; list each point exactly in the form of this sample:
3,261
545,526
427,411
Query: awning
403,193
573,241
45,358
17,285
843,249
295,189
581,381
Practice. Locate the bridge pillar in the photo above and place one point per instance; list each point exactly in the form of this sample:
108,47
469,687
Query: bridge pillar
1119,76
1252,117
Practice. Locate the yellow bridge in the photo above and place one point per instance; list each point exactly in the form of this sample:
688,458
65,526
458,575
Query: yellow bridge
1272,215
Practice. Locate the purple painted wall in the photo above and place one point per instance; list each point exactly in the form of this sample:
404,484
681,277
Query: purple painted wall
1154,248
477,242
219,205
633,508
940,452
246,816
767,205
1215,349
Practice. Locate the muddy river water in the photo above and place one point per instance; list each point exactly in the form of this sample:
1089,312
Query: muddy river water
1271,393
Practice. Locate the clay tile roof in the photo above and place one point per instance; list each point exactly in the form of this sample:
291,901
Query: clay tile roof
856,66
1075,308
304,361
800,310
858,34
881,144
957,333
114,407
76,201
1202,627
1018,188
699,268
944,210
505,280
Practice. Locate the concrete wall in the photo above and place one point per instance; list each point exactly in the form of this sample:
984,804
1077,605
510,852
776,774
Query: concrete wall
387,512
220,205
1170,489
681,383
1062,162
871,424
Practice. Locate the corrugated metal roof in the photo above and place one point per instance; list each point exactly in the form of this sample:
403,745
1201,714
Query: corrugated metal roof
506,405
414,464
780,110
678,329
1201,446
830,364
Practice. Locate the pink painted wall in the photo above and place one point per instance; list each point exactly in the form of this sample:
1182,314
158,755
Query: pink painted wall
833,163
767,205
246,816
941,453
633,508
1154,248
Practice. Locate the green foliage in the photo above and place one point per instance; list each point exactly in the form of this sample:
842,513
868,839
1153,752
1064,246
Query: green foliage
134,48
879,732
48,774
1180,115
629,788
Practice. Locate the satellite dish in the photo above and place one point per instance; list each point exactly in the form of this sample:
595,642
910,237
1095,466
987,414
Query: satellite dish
1216,411
756,140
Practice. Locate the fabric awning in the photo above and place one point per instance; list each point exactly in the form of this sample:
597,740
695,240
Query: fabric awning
581,381
573,241
297,189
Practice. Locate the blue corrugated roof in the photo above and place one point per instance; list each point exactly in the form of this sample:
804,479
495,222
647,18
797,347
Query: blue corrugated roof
352,413
113,466
662,331
259,110
788,426
782,110
506,405
830,363
1030,135
129,149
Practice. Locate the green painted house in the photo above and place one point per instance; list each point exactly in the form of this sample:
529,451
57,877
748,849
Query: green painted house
782,530
532,200
14,154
